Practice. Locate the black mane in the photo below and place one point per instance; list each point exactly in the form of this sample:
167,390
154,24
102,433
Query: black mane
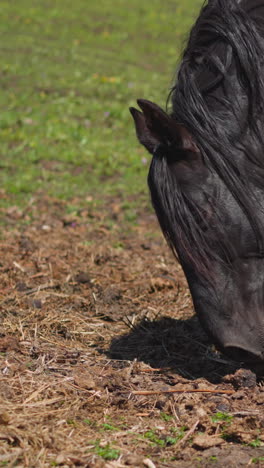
219,99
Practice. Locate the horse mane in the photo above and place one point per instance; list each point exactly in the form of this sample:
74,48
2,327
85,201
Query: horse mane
224,52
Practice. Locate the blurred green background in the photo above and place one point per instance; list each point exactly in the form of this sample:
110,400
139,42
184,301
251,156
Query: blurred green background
69,70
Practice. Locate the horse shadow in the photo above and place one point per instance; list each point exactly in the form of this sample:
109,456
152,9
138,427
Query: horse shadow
176,344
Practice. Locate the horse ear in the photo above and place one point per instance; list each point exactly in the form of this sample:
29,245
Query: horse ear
154,127
146,137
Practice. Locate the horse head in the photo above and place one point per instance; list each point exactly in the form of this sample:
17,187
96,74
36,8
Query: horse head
206,176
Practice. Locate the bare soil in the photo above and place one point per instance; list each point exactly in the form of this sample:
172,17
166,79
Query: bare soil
102,360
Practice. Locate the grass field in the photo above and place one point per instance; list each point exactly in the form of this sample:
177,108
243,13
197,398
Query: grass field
69,71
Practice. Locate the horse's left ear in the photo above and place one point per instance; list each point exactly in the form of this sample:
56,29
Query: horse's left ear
154,127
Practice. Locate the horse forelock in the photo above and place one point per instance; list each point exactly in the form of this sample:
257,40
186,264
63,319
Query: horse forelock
184,226
222,63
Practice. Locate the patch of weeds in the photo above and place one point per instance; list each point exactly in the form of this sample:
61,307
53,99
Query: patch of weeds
164,460
30,364
130,216
255,443
166,417
89,422
87,243
110,224
213,459
107,452
170,441
257,460
118,245
224,420
179,432
161,441
72,209
198,462
152,235
126,205
71,422
109,427
152,437
221,417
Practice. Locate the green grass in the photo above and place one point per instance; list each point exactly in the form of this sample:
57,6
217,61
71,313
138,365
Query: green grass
255,443
166,441
68,73
156,440
257,460
107,452
222,417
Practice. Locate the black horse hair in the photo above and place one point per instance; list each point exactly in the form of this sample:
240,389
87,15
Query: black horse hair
230,138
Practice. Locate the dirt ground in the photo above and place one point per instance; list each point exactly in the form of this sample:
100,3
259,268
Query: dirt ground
102,361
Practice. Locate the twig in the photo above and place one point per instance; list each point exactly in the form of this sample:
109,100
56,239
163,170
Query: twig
245,413
39,275
40,288
19,267
36,393
196,390
190,432
175,412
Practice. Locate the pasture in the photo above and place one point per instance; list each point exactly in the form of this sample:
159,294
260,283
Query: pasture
102,363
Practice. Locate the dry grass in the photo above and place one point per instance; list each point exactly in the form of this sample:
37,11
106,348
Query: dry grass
91,317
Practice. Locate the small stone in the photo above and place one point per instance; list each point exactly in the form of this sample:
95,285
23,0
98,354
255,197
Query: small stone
111,295
36,303
201,413
21,287
243,378
259,399
83,278
132,460
87,123
8,343
60,459
28,121
148,463
84,381
46,227
160,404
223,407
238,395
4,418
145,246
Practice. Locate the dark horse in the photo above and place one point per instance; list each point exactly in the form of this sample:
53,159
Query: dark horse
207,172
